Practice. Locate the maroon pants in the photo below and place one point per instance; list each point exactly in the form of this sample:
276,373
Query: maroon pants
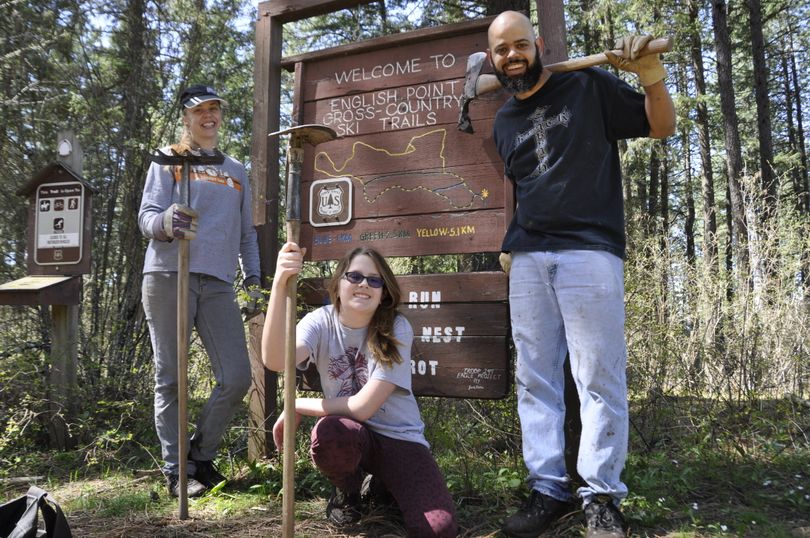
343,449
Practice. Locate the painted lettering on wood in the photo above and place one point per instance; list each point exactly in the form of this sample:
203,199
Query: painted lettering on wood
461,329
461,367
400,236
419,185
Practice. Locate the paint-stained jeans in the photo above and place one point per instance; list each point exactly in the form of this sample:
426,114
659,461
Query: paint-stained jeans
571,301
343,449
214,312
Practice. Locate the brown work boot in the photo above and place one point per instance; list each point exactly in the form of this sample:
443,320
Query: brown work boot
535,516
604,519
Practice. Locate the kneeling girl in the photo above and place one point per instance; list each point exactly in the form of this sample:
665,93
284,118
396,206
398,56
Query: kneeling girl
370,421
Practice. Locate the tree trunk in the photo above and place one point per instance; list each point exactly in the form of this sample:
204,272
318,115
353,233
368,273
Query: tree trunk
651,218
589,35
689,195
768,182
795,172
738,221
688,189
729,258
122,320
704,140
804,186
663,204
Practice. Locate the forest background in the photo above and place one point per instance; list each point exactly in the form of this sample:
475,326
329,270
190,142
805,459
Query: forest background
717,273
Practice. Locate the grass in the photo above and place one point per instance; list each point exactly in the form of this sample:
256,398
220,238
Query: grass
736,473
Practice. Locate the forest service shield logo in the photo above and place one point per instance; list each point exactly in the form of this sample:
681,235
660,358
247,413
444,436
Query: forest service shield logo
330,202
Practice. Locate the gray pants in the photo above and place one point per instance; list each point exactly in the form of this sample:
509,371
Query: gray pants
213,310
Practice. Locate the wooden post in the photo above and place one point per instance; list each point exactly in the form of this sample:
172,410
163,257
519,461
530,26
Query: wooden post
64,332
272,14
62,374
263,406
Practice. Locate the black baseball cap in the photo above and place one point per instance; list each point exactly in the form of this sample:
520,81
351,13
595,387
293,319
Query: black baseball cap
199,94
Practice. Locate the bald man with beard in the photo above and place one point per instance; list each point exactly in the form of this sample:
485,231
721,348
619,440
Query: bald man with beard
558,137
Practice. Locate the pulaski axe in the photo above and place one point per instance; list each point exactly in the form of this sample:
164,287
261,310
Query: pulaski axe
476,84
185,160
299,135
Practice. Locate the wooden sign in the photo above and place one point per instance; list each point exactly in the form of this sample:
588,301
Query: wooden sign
42,290
405,181
418,185
461,332
60,223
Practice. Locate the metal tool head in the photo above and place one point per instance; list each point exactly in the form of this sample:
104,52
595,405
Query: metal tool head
475,64
200,156
310,133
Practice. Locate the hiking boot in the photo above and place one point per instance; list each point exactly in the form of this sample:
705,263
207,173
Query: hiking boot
374,493
207,474
343,508
193,487
604,519
535,516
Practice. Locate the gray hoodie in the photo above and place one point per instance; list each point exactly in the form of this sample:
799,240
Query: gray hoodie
221,196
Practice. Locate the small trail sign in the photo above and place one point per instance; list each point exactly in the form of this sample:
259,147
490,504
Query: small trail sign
59,223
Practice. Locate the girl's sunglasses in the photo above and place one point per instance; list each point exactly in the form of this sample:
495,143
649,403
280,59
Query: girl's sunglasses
356,277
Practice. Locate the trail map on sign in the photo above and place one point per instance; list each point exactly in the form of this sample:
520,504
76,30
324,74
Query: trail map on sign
395,178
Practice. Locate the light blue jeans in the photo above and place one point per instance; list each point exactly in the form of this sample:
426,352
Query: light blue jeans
571,301
213,310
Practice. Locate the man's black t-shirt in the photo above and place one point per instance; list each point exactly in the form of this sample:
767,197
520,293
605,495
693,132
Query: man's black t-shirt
559,148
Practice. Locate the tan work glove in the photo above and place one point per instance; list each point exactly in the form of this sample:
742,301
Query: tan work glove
505,260
180,222
648,68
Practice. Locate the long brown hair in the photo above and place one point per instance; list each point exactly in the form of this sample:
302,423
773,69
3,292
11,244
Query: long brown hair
381,341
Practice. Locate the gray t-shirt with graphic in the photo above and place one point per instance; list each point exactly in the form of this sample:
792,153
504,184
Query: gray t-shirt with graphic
345,364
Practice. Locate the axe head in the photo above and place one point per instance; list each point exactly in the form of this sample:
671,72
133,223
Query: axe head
475,64
475,84
311,133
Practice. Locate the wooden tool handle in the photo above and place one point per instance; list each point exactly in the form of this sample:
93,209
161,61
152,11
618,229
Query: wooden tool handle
288,456
183,265
655,46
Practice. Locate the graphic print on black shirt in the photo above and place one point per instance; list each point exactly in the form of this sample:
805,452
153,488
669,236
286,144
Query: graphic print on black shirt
560,148
350,369
540,125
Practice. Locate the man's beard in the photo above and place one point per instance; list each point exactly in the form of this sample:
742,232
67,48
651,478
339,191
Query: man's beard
524,82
